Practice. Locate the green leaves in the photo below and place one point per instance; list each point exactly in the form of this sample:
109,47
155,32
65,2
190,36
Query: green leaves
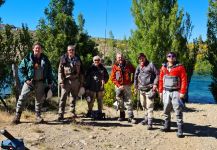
59,29
212,43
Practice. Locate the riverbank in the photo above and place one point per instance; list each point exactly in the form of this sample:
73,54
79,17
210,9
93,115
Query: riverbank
200,131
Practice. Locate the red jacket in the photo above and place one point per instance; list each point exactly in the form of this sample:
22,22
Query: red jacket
122,78
177,70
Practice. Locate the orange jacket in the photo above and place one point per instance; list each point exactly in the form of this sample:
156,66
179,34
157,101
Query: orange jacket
177,70
122,78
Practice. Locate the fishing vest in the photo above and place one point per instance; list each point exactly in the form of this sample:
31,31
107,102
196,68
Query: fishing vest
70,66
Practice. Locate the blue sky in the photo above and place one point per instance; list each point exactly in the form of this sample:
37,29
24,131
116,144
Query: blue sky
119,18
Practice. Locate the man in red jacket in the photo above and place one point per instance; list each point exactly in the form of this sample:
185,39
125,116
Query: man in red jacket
172,89
122,76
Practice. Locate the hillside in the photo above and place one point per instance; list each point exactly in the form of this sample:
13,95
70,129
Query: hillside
200,131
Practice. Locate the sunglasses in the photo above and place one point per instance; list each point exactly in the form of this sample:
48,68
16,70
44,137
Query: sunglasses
96,60
171,56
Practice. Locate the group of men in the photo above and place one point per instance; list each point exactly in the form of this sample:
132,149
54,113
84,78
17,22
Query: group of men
170,83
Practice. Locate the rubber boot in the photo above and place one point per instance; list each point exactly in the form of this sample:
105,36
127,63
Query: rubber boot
150,124
16,119
166,127
60,117
38,119
180,131
122,116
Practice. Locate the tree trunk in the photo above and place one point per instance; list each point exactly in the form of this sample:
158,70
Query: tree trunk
16,85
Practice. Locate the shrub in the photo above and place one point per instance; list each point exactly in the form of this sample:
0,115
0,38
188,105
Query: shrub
109,97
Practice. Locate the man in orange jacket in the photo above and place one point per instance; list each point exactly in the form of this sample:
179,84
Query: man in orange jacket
172,89
122,76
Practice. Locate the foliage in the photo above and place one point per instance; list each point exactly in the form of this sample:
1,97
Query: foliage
59,29
212,44
109,97
14,45
202,66
162,27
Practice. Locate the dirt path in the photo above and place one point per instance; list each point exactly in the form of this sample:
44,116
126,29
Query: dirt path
200,132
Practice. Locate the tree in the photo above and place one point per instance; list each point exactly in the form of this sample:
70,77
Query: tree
1,3
59,29
212,44
161,27
81,22
14,46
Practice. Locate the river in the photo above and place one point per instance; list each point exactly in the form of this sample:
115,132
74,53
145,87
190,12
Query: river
198,90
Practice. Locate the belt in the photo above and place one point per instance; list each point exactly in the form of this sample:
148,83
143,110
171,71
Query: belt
38,80
171,90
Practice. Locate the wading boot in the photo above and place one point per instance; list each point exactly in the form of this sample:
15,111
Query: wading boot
144,121
122,116
39,119
88,115
60,117
166,127
16,119
149,124
180,131
132,120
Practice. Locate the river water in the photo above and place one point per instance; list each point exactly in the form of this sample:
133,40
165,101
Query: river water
198,90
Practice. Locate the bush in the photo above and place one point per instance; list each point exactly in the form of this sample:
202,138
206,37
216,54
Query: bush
109,97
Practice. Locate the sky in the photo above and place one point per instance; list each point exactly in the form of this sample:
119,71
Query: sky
119,19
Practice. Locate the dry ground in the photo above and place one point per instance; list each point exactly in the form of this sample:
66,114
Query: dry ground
200,131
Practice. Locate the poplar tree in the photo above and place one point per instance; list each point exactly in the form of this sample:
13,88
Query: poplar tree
212,44
161,27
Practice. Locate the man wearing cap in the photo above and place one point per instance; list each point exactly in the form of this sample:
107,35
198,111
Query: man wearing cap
172,89
122,76
146,81
36,71
96,77
69,80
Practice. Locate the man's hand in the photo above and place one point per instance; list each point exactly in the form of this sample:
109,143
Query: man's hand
135,91
121,87
181,96
61,85
28,82
161,96
154,88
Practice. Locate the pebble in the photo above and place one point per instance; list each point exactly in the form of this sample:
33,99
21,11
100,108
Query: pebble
92,137
83,142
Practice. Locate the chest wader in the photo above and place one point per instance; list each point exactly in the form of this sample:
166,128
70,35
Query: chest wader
71,86
171,100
